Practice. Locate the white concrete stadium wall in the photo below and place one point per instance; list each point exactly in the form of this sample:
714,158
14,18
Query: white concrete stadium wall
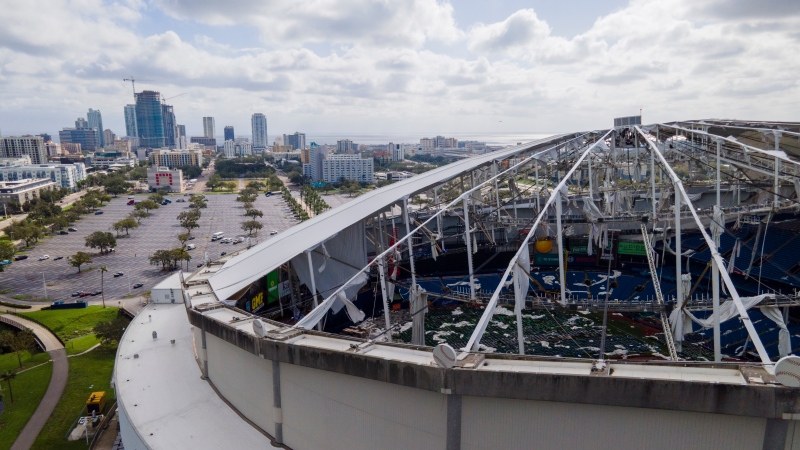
243,379
334,411
129,436
507,423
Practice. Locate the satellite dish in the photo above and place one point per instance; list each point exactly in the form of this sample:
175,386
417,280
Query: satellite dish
444,356
787,371
259,329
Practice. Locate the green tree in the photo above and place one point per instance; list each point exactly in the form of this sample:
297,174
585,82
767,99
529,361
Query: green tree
116,186
252,225
183,238
139,214
191,171
111,331
7,376
188,219
162,257
125,224
253,213
79,259
214,181
7,251
178,255
255,185
198,201
147,205
156,197
18,342
102,240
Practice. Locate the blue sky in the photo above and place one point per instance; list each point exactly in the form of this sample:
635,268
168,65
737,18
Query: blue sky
400,67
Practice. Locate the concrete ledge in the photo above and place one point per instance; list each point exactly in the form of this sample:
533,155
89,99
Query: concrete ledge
766,401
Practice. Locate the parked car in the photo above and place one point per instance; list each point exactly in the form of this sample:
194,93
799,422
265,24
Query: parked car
130,197
118,274
223,253
97,213
238,240
164,203
97,292
85,294
200,265
20,257
58,258
63,232
130,202
72,229
77,293
191,238
273,232
5,262
43,257
180,200
137,285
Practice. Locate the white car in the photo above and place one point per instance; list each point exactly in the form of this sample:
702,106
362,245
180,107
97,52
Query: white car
43,257
273,232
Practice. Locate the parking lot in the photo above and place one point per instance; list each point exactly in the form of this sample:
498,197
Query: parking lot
158,232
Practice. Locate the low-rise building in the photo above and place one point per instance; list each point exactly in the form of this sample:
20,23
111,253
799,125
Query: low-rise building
63,175
24,190
164,178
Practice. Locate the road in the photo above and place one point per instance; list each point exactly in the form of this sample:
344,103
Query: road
158,232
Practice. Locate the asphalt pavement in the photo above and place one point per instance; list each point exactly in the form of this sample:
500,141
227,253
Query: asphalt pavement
158,232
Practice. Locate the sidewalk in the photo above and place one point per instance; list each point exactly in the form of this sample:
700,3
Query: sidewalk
58,381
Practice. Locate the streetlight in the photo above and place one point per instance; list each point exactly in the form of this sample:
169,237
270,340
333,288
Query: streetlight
44,284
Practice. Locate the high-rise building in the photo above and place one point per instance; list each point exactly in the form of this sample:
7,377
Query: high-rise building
131,130
259,125
344,146
17,146
46,137
297,140
81,123
244,148
229,133
181,131
109,137
149,119
169,125
176,158
398,153
86,137
348,167
209,129
95,120
229,149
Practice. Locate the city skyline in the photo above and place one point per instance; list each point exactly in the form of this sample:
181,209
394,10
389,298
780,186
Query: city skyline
422,67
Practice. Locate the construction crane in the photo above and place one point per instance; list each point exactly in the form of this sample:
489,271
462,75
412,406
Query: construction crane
170,98
133,84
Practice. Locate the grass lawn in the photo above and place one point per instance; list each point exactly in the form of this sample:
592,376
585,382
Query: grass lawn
29,388
72,323
87,373
81,344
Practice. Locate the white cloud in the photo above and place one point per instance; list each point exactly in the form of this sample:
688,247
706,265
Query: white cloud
393,65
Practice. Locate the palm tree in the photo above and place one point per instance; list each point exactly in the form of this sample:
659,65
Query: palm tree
7,376
103,270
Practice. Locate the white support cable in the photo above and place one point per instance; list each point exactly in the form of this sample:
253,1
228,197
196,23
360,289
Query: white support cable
319,312
765,153
648,248
488,312
762,352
